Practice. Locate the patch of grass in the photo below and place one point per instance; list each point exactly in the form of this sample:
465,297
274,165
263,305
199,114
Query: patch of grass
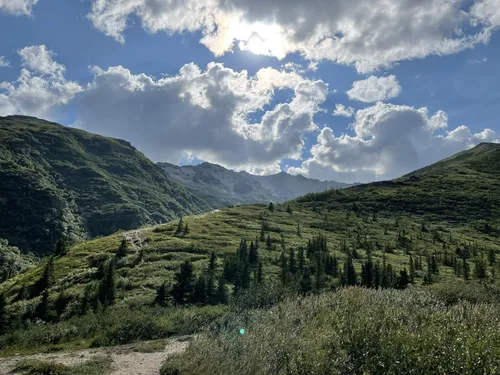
150,346
351,331
94,366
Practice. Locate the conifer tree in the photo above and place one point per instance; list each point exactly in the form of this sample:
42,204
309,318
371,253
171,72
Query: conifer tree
213,262
306,281
221,294
180,227
253,256
284,269
107,286
349,275
269,243
186,229
123,249
184,284
289,210
367,277
301,259
480,268
3,315
403,280
260,276
46,280
412,270
199,295
292,265
61,247
262,234
43,309
271,207
161,295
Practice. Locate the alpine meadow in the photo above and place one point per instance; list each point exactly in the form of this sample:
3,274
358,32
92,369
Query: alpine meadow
236,187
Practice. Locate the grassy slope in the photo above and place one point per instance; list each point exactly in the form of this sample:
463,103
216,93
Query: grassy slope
57,180
221,232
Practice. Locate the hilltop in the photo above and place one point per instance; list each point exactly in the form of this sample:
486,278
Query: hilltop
221,187
57,181
463,188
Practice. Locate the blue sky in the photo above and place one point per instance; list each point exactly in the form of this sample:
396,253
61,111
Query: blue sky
416,87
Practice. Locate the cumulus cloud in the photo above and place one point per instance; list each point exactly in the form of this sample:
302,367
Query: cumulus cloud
342,110
217,114
388,141
4,63
40,87
369,34
374,89
17,7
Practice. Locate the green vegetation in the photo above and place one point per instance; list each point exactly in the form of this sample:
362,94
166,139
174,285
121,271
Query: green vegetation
95,366
351,331
58,182
244,264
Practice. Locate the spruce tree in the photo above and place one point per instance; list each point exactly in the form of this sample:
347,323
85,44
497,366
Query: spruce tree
480,268
61,247
180,227
46,280
269,243
200,291
123,249
271,207
491,257
349,275
292,265
260,276
221,294
161,295
412,270
367,277
301,259
253,255
213,262
284,269
186,229
3,315
107,285
262,234
184,284
43,309
403,280
306,281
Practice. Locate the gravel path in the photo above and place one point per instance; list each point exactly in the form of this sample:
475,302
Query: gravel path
126,361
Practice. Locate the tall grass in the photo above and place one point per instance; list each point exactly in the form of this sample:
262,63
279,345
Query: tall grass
351,331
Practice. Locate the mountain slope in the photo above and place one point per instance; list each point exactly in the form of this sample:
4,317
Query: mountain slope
222,187
367,224
56,181
465,187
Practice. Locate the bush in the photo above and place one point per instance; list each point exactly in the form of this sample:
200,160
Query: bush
351,331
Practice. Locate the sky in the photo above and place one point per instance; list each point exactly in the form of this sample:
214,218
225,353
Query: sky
346,90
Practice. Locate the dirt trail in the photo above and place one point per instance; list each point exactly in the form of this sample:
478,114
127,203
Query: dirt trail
126,360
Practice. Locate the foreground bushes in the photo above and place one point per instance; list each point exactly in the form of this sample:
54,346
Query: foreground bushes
113,326
351,331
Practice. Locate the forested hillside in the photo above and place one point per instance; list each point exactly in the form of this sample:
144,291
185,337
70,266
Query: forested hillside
58,182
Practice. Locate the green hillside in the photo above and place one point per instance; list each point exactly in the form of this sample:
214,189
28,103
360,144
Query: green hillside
464,188
58,181
374,235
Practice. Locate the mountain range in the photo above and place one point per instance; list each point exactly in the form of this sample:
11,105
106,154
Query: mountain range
221,187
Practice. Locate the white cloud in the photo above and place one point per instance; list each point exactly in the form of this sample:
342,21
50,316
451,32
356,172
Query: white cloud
4,63
486,12
40,87
208,114
374,89
17,7
388,141
369,34
342,110
477,62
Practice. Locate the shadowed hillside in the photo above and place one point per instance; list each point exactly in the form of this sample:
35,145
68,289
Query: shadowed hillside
57,181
